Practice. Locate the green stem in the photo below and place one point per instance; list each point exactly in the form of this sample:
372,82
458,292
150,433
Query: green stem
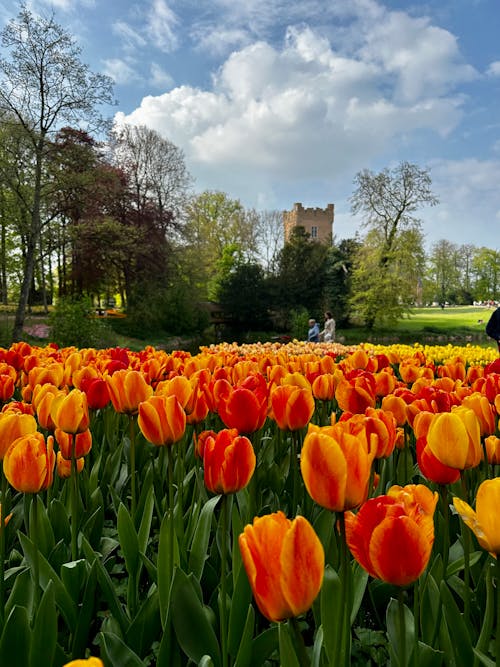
466,545
3,514
132,466
401,625
344,653
443,492
74,501
299,643
223,576
170,473
36,563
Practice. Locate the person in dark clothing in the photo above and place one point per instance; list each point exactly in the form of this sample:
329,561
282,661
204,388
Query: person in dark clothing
493,327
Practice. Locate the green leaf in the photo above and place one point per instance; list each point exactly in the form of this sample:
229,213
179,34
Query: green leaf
317,648
288,656
73,576
238,614
459,633
429,609
129,541
145,525
244,655
360,579
484,660
331,614
192,628
264,645
429,657
44,635
86,615
145,628
16,639
201,538
47,573
59,520
45,540
107,588
167,544
459,563
400,638
21,594
116,652
206,661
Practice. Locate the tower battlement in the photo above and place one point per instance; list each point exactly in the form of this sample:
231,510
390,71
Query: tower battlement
318,222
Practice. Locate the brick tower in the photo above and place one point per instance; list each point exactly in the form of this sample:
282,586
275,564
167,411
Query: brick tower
318,222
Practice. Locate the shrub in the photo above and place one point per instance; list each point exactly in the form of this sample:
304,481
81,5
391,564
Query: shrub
72,323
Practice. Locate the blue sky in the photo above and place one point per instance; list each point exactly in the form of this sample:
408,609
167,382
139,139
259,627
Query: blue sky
280,101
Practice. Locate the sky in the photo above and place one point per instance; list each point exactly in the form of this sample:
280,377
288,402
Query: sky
281,101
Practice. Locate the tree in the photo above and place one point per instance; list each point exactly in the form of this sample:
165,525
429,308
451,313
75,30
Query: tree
269,237
444,271
338,279
244,297
387,202
44,85
486,266
156,170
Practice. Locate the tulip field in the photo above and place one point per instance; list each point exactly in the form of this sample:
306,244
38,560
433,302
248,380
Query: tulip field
302,505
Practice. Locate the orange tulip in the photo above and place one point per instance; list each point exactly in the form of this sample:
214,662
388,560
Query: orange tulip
323,387
336,467
431,467
485,412
484,521
454,438
63,466
244,407
391,536
70,412
82,443
284,562
13,426
7,387
354,398
292,406
228,461
397,406
381,431
97,392
127,389
162,420
29,463
492,444
42,399
199,441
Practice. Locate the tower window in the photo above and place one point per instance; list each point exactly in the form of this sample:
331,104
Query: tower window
314,232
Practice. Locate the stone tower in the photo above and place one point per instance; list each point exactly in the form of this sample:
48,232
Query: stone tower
318,222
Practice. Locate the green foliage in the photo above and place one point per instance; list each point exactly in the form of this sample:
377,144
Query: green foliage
299,323
244,296
72,323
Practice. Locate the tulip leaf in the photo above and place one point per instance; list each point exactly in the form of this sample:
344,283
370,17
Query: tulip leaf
288,656
238,614
206,661
44,634
92,528
21,594
317,648
331,613
360,579
459,633
429,609
201,538
145,525
459,564
265,644
116,652
192,628
16,639
41,532
107,587
73,576
146,626
86,614
428,656
400,631
129,542
483,659
244,655
59,520
168,557
47,573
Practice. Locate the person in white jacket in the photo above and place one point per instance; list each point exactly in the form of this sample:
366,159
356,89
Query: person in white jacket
328,333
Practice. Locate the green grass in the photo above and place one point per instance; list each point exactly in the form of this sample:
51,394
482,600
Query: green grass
433,325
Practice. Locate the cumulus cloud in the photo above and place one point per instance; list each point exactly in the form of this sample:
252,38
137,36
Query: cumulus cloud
494,68
159,77
119,70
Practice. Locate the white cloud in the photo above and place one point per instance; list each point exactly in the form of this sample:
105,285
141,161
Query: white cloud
159,77
161,26
130,38
494,68
119,70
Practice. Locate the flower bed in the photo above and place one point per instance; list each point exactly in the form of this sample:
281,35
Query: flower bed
298,504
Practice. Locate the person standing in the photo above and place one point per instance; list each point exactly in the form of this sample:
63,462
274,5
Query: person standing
313,333
493,327
328,333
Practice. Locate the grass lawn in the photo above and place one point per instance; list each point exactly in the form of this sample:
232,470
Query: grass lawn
433,325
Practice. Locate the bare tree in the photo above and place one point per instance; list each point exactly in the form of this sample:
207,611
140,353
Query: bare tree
43,85
269,237
156,169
